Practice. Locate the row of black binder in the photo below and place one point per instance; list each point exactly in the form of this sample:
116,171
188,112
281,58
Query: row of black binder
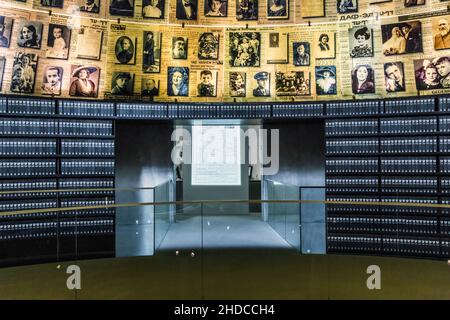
87,167
408,125
351,127
408,165
27,147
296,110
27,168
85,128
87,147
353,108
413,225
399,106
86,108
352,165
14,205
31,106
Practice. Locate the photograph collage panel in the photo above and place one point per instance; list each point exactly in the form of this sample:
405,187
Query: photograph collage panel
325,44
153,9
244,49
277,9
363,79
247,10
216,8
208,46
30,34
125,50
122,84
52,80
149,87
361,42
24,72
178,81
121,8
207,83
441,32
84,81
260,84
326,80
402,38
432,73
394,76
58,41
2,70
237,84
90,6
292,83
94,38
6,25
302,53
347,6
151,52
186,9
179,48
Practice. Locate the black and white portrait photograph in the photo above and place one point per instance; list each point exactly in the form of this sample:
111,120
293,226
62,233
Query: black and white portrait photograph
292,83
302,53
413,3
2,70
401,38
260,84
326,80
84,81
179,47
244,49
347,6
91,6
277,9
29,34
150,87
153,9
207,83
186,9
361,42
432,73
394,77
121,8
52,80
247,9
363,79
216,8
122,84
237,84
24,72
178,81
6,24
208,46
325,45
52,3
125,50
441,32
58,41
151,54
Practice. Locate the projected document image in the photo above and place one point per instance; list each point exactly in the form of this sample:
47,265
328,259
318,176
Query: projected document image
216,155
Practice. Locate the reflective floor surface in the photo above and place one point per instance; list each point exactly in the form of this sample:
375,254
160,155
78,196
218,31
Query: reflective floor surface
231,274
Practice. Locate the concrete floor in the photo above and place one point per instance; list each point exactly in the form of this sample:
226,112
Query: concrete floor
221,232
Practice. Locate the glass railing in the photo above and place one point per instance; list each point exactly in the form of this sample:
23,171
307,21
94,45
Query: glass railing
126,222
297,214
